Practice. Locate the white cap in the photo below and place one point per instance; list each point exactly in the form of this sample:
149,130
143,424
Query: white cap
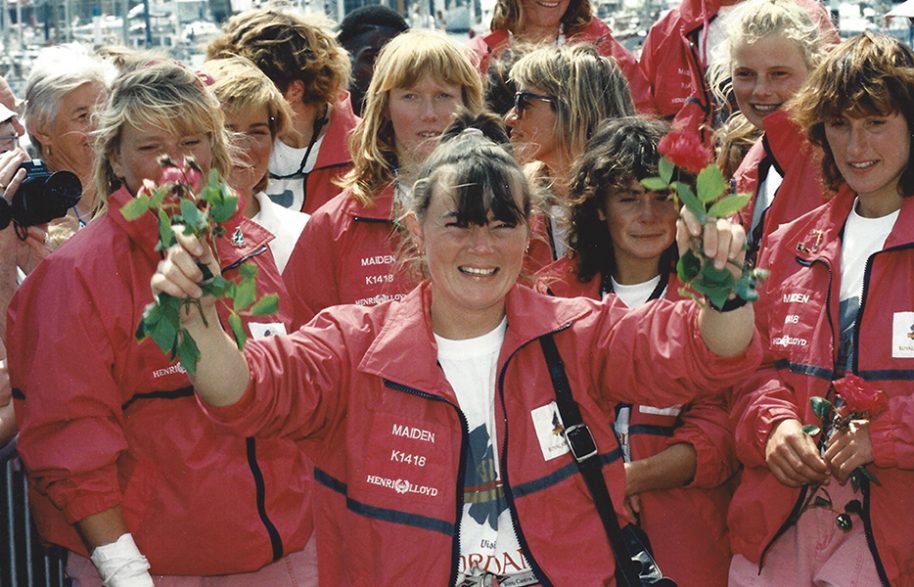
5,113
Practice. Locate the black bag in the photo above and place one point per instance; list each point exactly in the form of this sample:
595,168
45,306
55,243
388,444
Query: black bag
635,564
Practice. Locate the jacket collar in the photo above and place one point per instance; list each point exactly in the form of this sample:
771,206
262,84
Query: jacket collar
407,326
381,210
822,239
334,148
692,13
242,237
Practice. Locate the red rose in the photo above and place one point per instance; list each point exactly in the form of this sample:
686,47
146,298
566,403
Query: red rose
685,150
172,175
860,396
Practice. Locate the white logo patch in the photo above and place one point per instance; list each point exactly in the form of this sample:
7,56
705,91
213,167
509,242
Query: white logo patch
670,411
549,430
265,329
903,335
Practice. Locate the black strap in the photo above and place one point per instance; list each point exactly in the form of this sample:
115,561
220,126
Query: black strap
587,456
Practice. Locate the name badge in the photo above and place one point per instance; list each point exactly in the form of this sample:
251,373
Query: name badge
265,329
549,431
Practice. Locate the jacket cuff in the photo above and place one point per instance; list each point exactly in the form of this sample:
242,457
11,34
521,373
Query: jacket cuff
882,440
767,420
231,413
84,505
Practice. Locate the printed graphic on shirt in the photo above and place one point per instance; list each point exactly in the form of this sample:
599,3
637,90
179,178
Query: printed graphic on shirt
847,312
549,431
483,489
285,199
490,544
265,329
903,335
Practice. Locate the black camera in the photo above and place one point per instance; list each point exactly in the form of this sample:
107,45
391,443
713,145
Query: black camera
42,196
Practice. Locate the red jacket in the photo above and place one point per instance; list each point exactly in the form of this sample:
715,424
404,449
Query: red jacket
482,47
687,526
360,386
106,421
346,255
674,68
797,318
784,147
333,158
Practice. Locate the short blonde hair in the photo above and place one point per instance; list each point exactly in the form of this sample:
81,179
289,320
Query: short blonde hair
754,20
405,60
164,95
588,88
287,48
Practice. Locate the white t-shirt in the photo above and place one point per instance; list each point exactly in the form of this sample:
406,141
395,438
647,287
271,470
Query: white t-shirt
558,222
488,542
286,226
636,294
286,162
862,238
767,189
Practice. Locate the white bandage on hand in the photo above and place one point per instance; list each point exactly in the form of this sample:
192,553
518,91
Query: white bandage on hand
121,564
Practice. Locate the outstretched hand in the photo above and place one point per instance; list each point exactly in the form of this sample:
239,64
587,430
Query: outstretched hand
180,274
721,240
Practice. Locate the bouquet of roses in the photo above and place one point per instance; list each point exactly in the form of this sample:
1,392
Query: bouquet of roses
857,399
708,200
182,200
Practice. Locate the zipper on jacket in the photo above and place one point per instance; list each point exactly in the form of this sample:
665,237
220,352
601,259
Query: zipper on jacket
464,439
370,220
503,459
237,262
795,511
865,514
868,532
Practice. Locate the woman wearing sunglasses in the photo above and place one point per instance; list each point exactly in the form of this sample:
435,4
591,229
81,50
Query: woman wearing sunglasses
557,24
563,94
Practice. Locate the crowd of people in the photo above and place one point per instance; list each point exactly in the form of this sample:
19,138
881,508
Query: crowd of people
459,239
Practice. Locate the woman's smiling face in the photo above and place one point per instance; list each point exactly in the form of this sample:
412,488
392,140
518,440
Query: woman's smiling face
543,13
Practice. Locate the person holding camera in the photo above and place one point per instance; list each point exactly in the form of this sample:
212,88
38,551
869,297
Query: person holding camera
20,250
65,87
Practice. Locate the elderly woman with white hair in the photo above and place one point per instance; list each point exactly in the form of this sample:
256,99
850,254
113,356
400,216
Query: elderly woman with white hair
66,85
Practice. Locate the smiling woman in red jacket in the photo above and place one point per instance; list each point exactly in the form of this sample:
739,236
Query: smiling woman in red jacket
838,302
770,49
438,448
122,464
677,459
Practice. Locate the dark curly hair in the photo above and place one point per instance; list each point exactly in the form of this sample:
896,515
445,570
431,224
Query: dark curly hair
287,48
621,151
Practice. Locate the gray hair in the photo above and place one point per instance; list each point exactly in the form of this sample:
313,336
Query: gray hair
57,71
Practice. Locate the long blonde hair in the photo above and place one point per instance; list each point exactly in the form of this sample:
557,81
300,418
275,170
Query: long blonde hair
405,60
164,95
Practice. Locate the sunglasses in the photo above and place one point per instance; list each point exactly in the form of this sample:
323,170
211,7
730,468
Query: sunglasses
522,100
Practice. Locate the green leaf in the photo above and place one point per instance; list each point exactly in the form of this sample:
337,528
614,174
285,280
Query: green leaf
691,202
665,169
192,217
223,208
163,332
238,330
217,287
713,276
188,352
688,266
717,294
135,208
726,207
266,305
710,184
244,295
820,406
811,429
655,184
166,233
248,270
157,197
